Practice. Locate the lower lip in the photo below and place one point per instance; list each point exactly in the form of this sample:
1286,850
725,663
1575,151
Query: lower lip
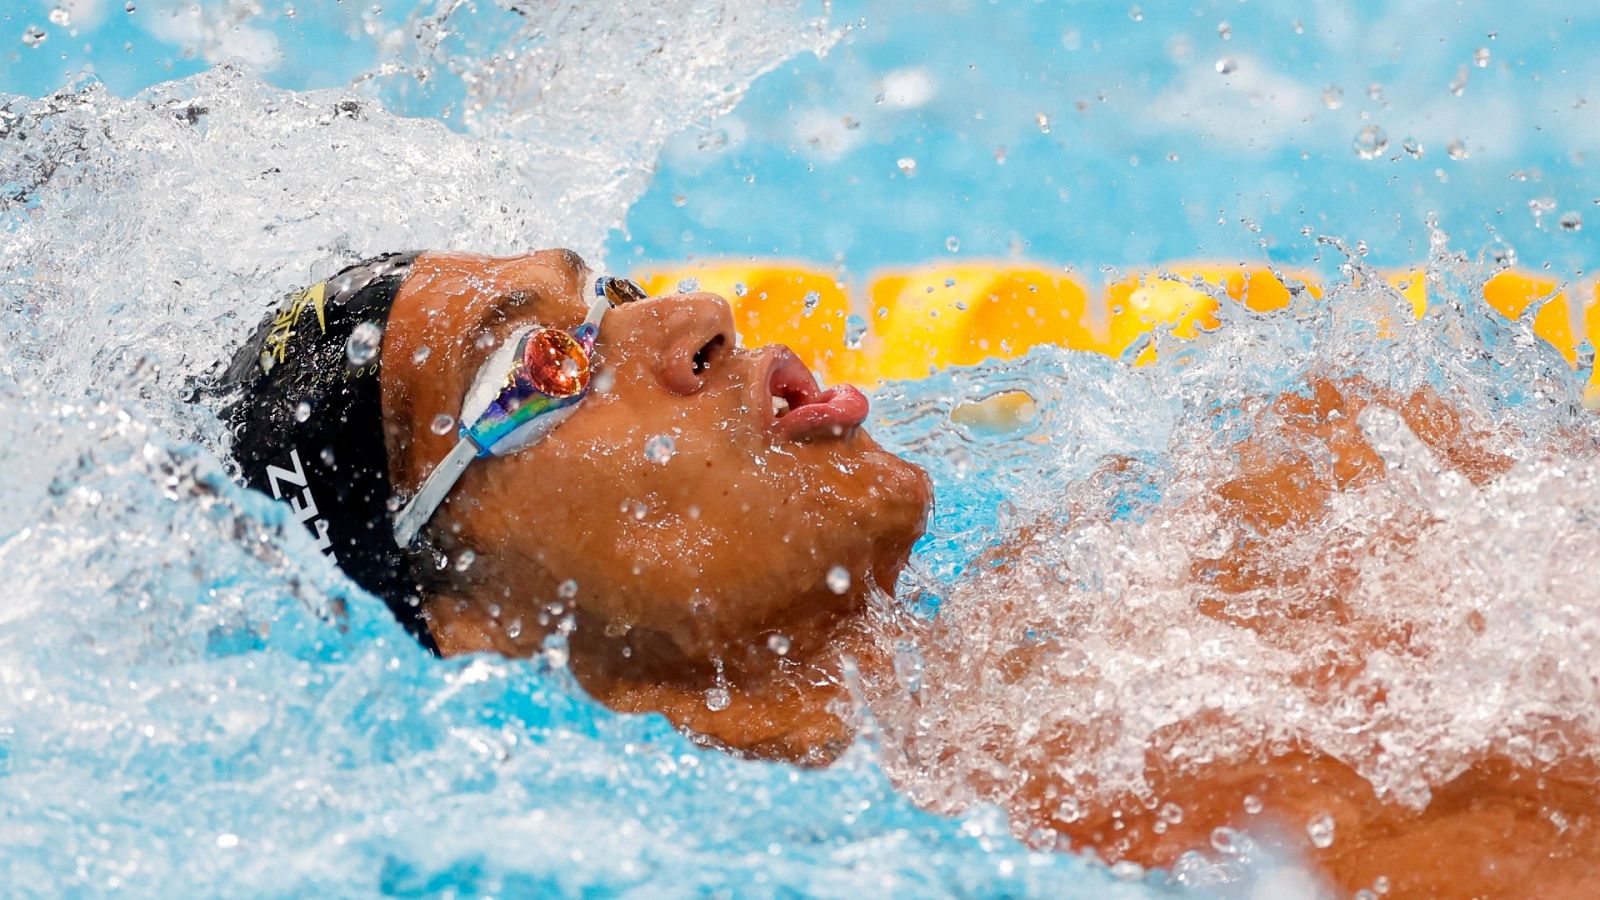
836,412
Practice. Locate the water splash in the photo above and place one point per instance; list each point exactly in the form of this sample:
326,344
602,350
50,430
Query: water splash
1456,583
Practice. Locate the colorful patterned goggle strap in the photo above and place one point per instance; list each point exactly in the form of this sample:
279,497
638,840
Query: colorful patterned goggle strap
527,387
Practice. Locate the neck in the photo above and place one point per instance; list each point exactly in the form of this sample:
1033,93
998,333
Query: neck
752,699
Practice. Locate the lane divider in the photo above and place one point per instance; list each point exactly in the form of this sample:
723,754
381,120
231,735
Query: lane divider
907,323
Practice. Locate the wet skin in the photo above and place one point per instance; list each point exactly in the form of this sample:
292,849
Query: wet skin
680,568
670,571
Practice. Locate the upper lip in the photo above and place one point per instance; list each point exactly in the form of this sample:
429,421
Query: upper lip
785,377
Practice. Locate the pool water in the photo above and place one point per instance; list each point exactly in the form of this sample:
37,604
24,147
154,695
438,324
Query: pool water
178,707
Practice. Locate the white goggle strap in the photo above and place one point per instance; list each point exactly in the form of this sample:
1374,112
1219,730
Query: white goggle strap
416,513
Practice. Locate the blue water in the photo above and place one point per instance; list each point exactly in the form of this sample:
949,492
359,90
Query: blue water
175,716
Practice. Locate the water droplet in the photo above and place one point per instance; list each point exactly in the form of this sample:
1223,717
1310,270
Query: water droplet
1252,804
688,285
61,17
855,329
302,412
1371,142
33,36
1227,65
1333,96
907,165
1412,147
464,561
1480,57
1136,14
717,699
1225,31
1458,84
838,579
421,355
568,589
1227,841
442,423
1043,121
362,345
778,643
952,243
1456,149
660,448
1320,830
1571,221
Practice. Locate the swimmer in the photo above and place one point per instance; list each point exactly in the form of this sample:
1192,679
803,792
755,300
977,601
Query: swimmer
511,450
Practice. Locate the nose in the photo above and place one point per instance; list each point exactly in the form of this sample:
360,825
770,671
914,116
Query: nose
693,339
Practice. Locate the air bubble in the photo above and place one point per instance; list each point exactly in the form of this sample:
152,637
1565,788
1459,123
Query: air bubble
362,345
1412,147
129,6
568,589
33,36
1320,830
1136,14
1456,149
778,643
1480,57
1225,31
60,17
1333,96
838,579
717,699
1227,65
1571,221
660,448
1370,142
810,301
421,354
442,423
906,165
464,561
302,411
952,243
1252,804
739,289
1043,121
688,285
1458,84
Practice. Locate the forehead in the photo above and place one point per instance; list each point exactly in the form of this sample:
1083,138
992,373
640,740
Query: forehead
464,294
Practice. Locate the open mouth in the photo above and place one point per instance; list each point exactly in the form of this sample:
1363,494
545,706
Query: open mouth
803,411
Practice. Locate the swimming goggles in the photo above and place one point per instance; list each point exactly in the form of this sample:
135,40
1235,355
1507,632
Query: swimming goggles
531,384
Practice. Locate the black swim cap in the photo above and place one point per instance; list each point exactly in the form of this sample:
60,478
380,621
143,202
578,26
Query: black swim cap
306,415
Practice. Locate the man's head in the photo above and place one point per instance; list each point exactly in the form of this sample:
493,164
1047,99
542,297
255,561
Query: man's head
698,501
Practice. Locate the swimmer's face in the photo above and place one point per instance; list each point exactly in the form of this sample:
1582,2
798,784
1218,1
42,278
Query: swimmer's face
675,509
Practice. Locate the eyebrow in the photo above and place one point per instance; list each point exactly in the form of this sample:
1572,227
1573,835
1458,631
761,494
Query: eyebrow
501,308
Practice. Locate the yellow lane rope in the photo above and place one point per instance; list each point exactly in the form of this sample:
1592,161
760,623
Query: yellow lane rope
909,322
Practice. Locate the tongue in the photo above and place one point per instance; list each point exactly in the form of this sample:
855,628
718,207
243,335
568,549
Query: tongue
834,412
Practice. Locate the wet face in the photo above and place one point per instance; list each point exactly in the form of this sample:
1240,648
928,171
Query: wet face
702,498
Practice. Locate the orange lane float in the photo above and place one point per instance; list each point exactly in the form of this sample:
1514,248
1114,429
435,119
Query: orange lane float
909,322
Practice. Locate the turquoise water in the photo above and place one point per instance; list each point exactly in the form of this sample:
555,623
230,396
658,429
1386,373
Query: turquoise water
175,713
